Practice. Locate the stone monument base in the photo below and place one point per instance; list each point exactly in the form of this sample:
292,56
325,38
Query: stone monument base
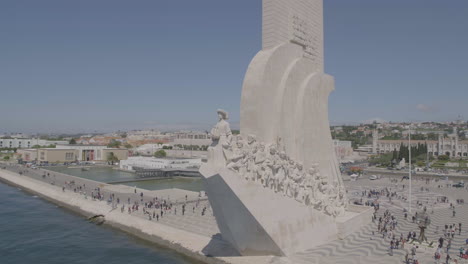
258,221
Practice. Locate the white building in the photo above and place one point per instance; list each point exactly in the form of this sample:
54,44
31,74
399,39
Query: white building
95,152
86,152
28,142
155,163
144,135
191,138
343,149
149,149
450,145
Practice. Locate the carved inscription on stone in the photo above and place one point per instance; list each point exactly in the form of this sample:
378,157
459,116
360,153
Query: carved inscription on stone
302,33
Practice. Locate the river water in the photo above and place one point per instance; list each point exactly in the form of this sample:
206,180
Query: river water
107,174
33,230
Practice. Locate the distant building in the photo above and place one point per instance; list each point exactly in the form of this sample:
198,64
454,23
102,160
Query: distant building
27,155
95,152
343,149
53,155
140,137
28,142
450,145
145,137
70,153
149,149
190,138
365,149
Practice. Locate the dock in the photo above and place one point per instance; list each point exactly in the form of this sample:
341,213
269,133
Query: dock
166,173
139,180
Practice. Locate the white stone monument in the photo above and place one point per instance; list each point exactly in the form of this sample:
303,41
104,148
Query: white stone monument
276,189
285,93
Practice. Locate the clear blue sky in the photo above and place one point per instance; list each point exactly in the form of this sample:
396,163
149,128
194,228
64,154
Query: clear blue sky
110,64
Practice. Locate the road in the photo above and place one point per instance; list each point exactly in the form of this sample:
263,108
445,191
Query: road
401,173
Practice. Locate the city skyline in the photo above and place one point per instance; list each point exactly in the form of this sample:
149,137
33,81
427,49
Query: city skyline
84,67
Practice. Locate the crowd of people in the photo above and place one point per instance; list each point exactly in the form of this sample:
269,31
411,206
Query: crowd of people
153,208
387,222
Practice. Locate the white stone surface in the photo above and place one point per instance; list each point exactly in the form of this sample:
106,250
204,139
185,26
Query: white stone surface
274,170
259,221
285,92
298,21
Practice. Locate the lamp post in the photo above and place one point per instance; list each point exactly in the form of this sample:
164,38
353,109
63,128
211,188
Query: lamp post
427,153
409,148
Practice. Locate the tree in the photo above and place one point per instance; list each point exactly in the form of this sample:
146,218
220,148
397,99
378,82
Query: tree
114,144
72,141
160,154
6,158
395,155
111,157
418,137
357,170
444,157
128,146
432,136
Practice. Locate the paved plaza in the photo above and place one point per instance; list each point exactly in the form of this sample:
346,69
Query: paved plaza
368,246
365,246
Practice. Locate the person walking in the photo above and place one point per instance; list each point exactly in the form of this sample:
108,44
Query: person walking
449,245
413,251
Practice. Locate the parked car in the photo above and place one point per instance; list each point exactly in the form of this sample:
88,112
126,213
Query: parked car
459,185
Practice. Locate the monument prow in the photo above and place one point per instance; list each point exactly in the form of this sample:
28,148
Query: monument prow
260,222
276,189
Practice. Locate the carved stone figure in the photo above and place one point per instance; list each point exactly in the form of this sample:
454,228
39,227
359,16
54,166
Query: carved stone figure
221,135
235,161
266,166
281,174
269,167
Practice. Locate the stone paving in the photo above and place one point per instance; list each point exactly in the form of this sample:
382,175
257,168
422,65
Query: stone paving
368,246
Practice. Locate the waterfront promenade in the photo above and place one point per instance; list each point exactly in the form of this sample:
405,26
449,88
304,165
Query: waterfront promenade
194,202
196,235
191,234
